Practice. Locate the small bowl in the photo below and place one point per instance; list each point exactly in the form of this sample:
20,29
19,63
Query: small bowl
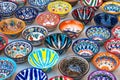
60,7
48,20
3,41
98,33
7,68
12,27
20,3
85,48
113,46
35,34
116,31
7,8
72,28
83,14
27,14
105,61
43,58
59,42
18,50
107,20
60,78
40,5
111,7
101,75
31,74
74,66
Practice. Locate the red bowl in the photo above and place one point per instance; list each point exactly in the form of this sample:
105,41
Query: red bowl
116,31
60,78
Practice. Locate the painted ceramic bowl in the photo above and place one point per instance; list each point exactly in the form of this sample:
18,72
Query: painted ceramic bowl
107,20
116,31
20,3
102,75
111,7
105,61
98,33
18,50
85,48
60,7
7,8
74,66
31,73
59,42
48,20
83,14
72,28
27,14
113,46
35,34
3,41
12,27
43,58
7,68
60,78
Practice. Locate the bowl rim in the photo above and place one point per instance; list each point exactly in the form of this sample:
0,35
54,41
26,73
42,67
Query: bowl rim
39,4
113,30
65,77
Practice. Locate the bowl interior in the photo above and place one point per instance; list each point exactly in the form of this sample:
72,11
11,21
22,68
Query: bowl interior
38,2
60,77
116,31
3,41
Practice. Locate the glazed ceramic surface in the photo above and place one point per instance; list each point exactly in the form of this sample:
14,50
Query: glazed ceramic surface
58,42
48,20
35,34
74,66
18,50
102,75
7,68
116,31
72,28
85,48
105,61
19,2
31,74
43,58
60,78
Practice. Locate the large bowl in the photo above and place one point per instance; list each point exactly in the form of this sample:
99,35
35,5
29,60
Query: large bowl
101,75
59,42
60,7
7,68
60,78
74,66
18,50
98,33
7,8
85,48
83,14
43,58
107,20
35,34
20,3
116,31
72,28
48,20
105,61
31,74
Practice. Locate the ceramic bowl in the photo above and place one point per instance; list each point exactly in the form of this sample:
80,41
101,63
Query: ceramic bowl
116,31
83,14
74,66
98,33
59,42
7,68
12,27
43,58
72,28
60,7
48,20
18,50
27,14
35,34
85,48
60,78
7,8
3,41
105,61
102,75
113,46
31,73
20,3
107,20
111,7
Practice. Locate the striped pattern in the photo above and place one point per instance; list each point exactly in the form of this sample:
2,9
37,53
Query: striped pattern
92,2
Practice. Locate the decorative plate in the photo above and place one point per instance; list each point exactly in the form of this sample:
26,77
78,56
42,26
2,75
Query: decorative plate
60,78
116,31
19,2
